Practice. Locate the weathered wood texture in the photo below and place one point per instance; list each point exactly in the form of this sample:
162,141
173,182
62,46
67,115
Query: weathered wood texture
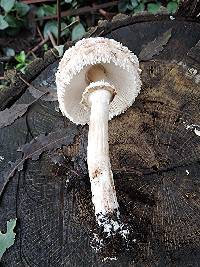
154,156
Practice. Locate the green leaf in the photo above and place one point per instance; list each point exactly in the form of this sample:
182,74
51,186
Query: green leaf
7,239
51,26
78,32
129,7
74,3
12,21
172,7
139,8
45,46
134,3
9,52
68,1
7,5
21,67
123,6
40,12
3,23
21,57
153,7
21,8
49,10
60,50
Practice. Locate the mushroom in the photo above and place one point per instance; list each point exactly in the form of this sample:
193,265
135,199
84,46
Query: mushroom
97,79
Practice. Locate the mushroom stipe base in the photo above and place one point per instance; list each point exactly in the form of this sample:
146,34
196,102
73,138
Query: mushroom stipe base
101,177
111,224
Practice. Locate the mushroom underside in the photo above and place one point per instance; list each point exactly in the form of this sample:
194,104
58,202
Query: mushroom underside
121,79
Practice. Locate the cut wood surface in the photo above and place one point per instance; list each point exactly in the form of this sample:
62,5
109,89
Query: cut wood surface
155,158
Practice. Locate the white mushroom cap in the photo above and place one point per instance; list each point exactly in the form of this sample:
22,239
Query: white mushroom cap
122,73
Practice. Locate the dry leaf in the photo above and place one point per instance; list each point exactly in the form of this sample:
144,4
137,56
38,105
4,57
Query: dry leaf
9,115
36,147
36,93
45,82
155,47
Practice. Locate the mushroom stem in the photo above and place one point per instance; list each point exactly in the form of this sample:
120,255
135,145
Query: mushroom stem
101,177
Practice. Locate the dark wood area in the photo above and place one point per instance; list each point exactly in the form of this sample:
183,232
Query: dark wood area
155,157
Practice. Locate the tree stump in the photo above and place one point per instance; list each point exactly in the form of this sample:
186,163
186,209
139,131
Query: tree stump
155,158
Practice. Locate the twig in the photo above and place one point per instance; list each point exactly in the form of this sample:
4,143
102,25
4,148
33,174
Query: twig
81,10
103,13
106,14
30,85
36,1
58,21
52,39
39,45
39,32
32,53
95,30
71,24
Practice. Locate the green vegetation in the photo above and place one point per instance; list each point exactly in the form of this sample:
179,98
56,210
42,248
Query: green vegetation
22,60
7,239
153,7
13,17
17,17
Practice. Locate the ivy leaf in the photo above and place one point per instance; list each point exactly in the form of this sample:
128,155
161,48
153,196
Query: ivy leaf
21,8
7,239
123,6
49,10
129,7
134,3
139,8
7,5
172,7
9,52
153,7
51,26
78,32
12,21
3,23
60,49
40,12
